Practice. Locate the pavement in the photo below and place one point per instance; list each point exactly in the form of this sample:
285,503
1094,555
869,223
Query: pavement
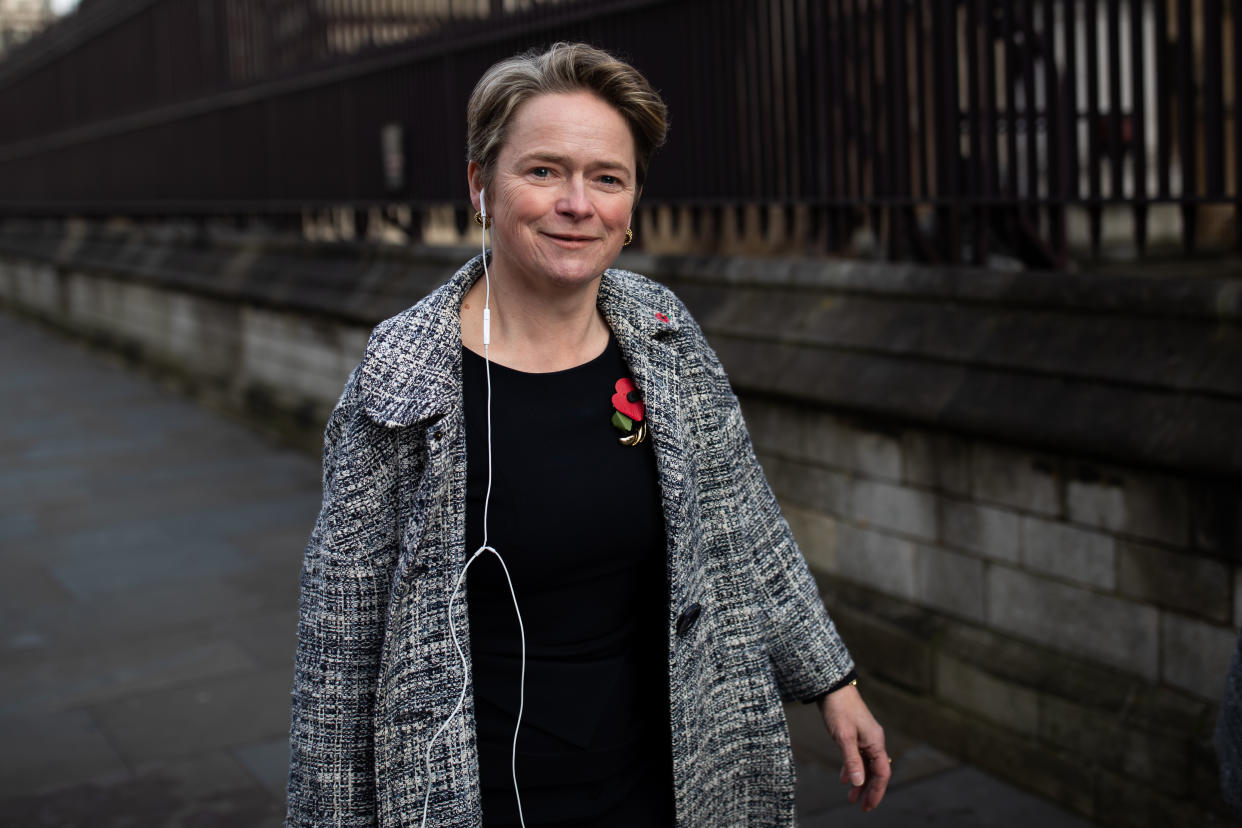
150,550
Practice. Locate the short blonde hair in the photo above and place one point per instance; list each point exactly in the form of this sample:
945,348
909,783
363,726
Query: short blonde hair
565,67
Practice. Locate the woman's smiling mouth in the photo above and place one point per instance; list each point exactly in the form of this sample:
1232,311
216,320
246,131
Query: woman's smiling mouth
569,239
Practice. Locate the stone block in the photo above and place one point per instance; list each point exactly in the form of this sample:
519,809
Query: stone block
1013,478
1216,517
950,582
837,442
1023,760
885,650
1195,655
895,508
917,715
877,560
816,488
1109,738
1237,598
1205,787
1175,579
1139,504
874,454
816,534
775,427
979,693
1118,632
1066,552
992,533
936,461
1126,803
353,340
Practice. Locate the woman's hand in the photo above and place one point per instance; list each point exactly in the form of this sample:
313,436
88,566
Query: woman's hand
866,767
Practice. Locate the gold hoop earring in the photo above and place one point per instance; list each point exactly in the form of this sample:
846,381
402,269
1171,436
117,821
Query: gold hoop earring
629,237
482,222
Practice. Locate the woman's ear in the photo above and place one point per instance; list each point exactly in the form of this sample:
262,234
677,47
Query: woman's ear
474,177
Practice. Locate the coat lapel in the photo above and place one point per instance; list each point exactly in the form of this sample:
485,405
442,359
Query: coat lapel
647,328
411,372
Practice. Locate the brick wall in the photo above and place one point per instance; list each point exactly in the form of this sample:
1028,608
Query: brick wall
1021,494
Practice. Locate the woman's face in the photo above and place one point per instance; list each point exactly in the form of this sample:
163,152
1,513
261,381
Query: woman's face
562,191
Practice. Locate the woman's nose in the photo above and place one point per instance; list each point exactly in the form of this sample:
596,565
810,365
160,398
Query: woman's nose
575,200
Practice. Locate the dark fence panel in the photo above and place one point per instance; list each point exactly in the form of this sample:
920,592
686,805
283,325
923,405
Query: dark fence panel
951,129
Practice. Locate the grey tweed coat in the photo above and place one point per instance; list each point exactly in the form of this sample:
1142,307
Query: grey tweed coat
376,672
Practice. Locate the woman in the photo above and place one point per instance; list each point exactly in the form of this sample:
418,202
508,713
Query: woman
548,419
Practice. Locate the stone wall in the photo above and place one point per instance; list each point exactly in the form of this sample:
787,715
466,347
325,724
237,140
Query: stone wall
1020,492
1063,622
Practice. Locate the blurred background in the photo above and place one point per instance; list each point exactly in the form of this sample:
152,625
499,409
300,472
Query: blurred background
974,268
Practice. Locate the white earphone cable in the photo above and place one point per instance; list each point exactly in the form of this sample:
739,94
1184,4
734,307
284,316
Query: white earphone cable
487,498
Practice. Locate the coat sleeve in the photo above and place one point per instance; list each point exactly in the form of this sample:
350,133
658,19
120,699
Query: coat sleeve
346,575
807,654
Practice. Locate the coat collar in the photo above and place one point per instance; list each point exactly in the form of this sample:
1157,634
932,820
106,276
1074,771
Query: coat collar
411,371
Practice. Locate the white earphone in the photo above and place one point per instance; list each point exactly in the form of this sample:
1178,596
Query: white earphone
487,499
487,300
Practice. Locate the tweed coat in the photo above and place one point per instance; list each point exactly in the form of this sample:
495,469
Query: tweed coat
376,670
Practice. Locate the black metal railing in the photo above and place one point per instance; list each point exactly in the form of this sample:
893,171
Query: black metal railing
951,128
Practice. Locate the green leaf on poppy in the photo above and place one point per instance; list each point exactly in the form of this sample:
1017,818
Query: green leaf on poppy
622,422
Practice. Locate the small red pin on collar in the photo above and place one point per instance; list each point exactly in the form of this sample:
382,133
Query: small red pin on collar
661,317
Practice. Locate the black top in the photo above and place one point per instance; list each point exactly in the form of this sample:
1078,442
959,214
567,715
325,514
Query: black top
576,515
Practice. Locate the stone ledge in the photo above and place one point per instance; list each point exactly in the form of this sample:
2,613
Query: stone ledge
1140,370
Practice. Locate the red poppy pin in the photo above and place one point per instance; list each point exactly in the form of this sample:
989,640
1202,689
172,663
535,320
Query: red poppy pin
628,417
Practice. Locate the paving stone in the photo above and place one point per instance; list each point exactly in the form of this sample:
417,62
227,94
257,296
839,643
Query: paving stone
140,554
52,750
199,716
189,794
269,637
27,586
268,762
960,798
167,608
55,680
